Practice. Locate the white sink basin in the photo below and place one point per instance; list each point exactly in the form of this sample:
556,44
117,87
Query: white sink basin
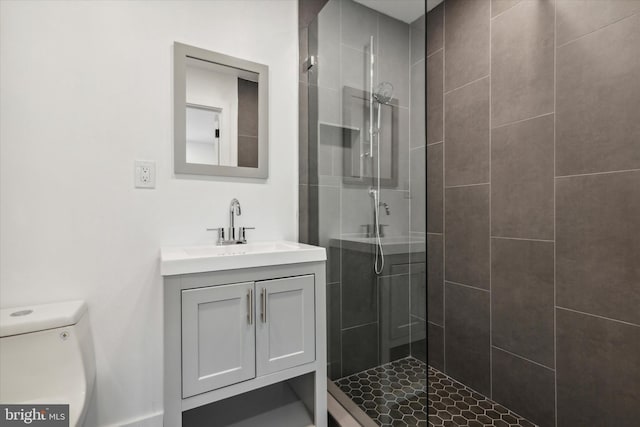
198,259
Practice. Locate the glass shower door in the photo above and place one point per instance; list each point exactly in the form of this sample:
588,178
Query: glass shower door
362,172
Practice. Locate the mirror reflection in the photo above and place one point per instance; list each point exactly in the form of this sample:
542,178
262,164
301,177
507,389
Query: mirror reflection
221,115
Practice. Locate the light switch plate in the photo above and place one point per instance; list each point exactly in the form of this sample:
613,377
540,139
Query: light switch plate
145,174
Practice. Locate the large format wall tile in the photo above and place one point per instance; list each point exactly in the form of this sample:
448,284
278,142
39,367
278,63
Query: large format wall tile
522,179
418,127
434,188
467,130
522,62
418,190
598,101
522,298
524,387
435,31
598,244
435,349
359,289
466,41
435,283
467,235
394,56
467,346
435,109
576,18
359,23
418,29
359,348
598,374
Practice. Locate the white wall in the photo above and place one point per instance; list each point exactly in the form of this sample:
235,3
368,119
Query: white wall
86,88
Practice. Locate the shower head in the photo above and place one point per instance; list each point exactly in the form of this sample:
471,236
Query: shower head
383,93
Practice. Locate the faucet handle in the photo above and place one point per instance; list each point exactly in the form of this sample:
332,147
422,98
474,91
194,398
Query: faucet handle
220,233
242,232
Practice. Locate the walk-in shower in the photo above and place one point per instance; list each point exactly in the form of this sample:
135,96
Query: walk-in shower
366,205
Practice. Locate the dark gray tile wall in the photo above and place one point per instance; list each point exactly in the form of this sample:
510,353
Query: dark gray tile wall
466,125
522,298
522,62
598,376
467,235
598,101
598,244
467,336
466,41
523,387
542,227
522,179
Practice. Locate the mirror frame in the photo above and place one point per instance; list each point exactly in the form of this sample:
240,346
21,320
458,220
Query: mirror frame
180,54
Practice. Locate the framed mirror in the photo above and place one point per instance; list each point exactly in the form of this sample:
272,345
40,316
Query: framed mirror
220,114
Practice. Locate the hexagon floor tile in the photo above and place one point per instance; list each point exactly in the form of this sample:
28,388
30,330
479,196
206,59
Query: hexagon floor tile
454,404
395,394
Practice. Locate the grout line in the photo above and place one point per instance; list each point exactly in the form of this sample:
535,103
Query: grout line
597,173
598,316
597,29
435,324
434,234
506,10
522,238
466,286
359,326
340,203
432,53
490,216
524,120
466,84
414,149
523,358
444,203
435,143
555,118
468,185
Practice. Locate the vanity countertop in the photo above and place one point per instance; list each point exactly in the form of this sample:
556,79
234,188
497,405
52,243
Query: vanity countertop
209,258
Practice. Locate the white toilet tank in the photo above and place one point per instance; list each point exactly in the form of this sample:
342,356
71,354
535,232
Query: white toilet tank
47,356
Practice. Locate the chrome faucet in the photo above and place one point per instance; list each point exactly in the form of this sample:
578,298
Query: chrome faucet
234,209
370,229
233,239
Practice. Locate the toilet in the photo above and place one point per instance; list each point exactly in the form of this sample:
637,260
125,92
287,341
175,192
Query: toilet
47,357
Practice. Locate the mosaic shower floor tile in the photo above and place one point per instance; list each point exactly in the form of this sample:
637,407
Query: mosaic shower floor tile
452,404
393,394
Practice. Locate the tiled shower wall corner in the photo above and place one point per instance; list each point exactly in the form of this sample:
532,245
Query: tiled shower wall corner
533,151
362,307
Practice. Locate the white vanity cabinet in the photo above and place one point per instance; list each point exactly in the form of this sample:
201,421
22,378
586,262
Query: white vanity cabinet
233,333
218,337
285,329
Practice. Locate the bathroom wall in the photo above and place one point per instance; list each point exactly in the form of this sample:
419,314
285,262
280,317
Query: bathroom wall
533,148
86,90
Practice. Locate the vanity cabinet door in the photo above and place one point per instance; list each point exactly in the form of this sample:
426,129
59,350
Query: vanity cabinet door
218,337
285,328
